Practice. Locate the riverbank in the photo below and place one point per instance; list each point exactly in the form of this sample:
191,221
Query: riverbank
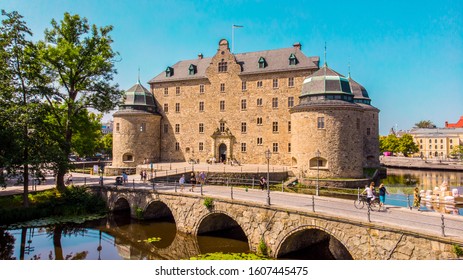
421,164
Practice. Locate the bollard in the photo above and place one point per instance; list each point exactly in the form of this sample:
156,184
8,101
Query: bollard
408,202
253,183
313,203
358,193
282,183
153,184
443,225
85,181
133,183
175,186
201,189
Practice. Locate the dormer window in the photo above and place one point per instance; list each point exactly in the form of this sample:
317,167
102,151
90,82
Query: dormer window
262,63
292,59
169,71
192,69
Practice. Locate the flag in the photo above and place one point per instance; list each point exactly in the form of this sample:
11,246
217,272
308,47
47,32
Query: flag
237,26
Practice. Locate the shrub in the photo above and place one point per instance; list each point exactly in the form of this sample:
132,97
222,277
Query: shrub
208,202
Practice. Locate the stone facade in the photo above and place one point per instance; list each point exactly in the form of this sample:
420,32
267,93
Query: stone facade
350,238
238,106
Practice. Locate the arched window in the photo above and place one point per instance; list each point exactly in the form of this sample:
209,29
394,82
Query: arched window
318,162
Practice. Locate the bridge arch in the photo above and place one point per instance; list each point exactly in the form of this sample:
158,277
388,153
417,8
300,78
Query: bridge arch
157,209
312,243
121,204
218,223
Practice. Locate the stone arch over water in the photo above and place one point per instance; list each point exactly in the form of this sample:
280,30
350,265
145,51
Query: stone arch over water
157,209
312,243
219,224
121,204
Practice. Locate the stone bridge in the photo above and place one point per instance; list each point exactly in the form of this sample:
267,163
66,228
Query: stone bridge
283,231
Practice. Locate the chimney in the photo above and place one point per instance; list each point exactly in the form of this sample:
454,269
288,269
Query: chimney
297,45
200,56
446,124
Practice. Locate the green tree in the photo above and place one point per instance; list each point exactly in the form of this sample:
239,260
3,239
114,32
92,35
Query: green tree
406,145
79,60
389,143
457,152
18,96
425,124
106,144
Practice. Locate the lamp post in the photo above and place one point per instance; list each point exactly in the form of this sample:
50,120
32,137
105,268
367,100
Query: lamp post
318,171
267,156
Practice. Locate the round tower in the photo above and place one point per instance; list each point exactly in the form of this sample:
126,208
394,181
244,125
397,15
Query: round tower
370,124
136,132
326,140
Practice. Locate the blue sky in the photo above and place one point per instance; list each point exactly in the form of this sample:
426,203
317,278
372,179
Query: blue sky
407,54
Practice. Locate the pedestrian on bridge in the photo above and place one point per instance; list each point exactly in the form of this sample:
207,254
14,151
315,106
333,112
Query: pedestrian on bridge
181,182
382,195
262,183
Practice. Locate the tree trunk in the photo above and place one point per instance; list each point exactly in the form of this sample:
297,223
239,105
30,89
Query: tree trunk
26,169
57,231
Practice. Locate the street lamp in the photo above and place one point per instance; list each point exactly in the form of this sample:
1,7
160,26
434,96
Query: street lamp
267,156
318,171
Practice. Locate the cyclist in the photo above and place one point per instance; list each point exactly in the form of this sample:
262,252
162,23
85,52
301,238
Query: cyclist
369,191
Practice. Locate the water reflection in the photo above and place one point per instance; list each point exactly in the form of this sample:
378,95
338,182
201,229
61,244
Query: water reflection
401,183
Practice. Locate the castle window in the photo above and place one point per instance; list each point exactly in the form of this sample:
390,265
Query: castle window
142,127
275,127
441,141
259,84
166,108
262,63
243,104
222,105
177,128
275,102
192,69
292,59
290,102
223,66
177,90
166,91
169,71
177,107
243,127
201,106
259,102
243,86
435,140
201,146
321,122
222,87
289,126
275,147
317,162
259,141
201,88
118,126
291,82
289,147
368,131
259,121
243,147
275,83
127,157
166,128
222,127
177,146
201,128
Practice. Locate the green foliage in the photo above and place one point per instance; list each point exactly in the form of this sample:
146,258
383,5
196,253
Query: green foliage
425,124
458,250
151,240
406,145
208,202
229,256
388,143
263,249
73,201
105,144
139,213
457,152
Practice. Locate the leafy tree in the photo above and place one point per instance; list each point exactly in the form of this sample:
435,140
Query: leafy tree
79,61
425,124
406,145
106,144
389,143
18,77
457,151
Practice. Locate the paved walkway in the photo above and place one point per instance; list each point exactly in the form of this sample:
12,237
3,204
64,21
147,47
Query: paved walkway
395,217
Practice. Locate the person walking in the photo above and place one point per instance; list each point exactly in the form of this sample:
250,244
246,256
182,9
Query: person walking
181,182
192,181
262,183
369,190
382,195
416,198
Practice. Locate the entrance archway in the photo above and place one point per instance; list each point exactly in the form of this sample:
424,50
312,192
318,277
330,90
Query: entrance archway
222,152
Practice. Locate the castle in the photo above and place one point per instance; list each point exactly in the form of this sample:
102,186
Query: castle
235,107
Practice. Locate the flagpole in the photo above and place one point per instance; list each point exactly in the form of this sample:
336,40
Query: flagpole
233,36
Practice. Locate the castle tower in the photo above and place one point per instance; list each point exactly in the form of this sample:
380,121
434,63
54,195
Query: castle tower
370,124
137,126
327,139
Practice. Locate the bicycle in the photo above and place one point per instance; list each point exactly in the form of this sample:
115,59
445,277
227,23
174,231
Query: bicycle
360,202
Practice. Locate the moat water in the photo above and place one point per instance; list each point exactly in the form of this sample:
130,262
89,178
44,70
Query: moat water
118,237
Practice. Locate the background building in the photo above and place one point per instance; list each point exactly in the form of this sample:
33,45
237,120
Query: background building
437,142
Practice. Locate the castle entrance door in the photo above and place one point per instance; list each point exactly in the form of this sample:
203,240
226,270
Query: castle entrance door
222,152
